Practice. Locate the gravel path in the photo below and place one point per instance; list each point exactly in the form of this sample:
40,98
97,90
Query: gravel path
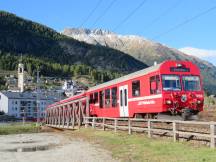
49,147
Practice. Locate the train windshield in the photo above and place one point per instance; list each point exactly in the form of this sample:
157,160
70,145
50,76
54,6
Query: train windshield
191,83
171,83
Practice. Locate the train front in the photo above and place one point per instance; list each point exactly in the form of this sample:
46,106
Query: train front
182,88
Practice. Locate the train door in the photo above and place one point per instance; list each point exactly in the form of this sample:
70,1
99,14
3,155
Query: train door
123,97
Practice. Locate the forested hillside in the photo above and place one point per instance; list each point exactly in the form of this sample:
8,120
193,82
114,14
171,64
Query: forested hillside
19,36
53,69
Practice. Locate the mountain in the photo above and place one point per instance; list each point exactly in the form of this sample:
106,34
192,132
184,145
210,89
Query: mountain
142,49
20,36
209,55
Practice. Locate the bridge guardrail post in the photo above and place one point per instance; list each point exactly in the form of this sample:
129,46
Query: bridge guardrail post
63,116
129,126
86,122
79,114
104,124
115,128
149,128
212,134
174,131
93,122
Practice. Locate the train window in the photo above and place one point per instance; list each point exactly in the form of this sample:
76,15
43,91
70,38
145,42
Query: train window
114,96
107,98
171,83
191,83
96,97
155,85
91,98
125,95
136,88
101,95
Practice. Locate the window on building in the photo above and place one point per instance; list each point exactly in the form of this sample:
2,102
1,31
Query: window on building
114,96
155,85
101,102
136,88
20,70
96,97
107,97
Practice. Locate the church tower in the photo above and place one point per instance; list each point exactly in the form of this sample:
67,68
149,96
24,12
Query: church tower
21,77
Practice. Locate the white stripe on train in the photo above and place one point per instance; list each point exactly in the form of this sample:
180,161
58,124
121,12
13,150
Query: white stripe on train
141,99
145,98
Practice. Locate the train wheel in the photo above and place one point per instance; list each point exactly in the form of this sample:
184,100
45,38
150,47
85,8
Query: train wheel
139,116
186,113
150,116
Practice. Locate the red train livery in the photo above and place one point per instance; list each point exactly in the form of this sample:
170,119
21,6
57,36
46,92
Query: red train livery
172,87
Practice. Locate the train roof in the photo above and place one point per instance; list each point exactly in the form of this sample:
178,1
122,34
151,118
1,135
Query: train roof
126,77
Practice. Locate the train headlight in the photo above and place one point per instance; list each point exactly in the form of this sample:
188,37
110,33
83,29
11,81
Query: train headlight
168,102
179,65
199,102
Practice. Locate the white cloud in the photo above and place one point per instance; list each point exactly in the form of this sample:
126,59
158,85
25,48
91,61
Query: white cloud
208,55
201,53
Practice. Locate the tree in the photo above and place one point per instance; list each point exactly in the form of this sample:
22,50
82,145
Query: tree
29,68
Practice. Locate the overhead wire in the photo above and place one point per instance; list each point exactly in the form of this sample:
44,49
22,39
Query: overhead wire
104,12
168,10
91,13
185,22
129,15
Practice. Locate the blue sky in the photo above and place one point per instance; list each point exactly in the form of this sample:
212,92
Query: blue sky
165,14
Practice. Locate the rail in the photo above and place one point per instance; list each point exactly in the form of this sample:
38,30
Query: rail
205,130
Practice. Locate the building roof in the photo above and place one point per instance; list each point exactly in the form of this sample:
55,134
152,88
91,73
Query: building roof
27,95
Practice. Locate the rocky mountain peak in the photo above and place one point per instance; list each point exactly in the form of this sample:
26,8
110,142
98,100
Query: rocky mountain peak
85,31
142,49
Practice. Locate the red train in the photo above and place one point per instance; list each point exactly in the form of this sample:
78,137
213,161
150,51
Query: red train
172,87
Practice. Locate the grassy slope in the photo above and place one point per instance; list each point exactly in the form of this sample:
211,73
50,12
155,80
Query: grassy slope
138,147
18,128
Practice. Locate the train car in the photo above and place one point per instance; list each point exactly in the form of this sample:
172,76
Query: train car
172,88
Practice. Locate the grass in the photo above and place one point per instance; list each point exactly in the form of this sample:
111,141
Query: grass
18,128
138,147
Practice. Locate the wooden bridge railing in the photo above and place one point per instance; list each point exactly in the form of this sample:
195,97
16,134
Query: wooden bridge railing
73,115
204,130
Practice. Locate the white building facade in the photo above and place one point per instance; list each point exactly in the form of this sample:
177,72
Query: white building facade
25,104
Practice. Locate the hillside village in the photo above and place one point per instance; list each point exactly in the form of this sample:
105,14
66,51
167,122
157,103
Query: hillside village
28,97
